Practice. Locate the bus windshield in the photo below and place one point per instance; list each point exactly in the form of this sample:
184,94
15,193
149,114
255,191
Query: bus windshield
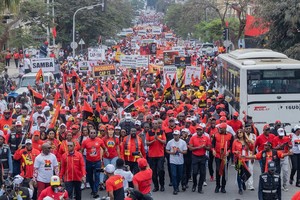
273,81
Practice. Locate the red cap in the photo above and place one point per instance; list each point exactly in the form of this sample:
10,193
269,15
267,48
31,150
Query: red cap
218,106
222,113
73,110
110,127
266,126
277,122
170,112
223,118
36,133
104,104
220,96
236,114
222,106
199,127
208,100
223,125
75,126
142,163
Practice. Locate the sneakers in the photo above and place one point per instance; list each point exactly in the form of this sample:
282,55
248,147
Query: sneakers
217,189
291,181
212,178
88,185
82,187
204,183
284,188
240,192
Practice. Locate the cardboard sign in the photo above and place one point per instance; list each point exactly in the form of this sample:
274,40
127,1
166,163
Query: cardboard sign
96,54
46,64
84,66
142,61
156,31
104,70
134,61
189,71
170,72
169,57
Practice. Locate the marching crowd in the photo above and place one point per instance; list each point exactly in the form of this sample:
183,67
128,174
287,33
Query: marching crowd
117,132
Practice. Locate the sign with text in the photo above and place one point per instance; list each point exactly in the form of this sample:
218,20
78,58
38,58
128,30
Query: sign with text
182,61
170,72
96,54
169,57
134,61
168,35
189,71
104,70
46,64
84,66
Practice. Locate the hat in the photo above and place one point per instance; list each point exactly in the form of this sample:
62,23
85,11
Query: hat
118,127
110,127
208,100
209,91
137,122
156,113
236,114
297,127
188,120
266,126
43,125
223,125
28,141
73,110
170,112
36,133
220,96
280,132
199,127
110,168
18,106
47,108
75,126
223,118
67,108
62,125
271,166
27,118
176,132
185,130
142,162
277,122
18,123
55,181
222,113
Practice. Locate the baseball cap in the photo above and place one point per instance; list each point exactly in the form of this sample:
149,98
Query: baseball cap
170,112
277,122
266,127
142,163
37,133
18,123
223,118
110,127
297,127
118,127
28,141
75,126
55,181
236,114
137,122
47,108
110,168
199,127
176,132
18,106
43,125
62,125
280,132
220,96
185,130
222,113
223,125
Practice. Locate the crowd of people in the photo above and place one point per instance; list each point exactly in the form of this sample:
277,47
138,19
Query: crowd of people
117,132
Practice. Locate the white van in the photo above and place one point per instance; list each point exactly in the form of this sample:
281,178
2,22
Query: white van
29,79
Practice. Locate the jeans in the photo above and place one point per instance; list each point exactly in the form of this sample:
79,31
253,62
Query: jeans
17,63
199,167
169,166
158,172
176,171
107,161
93,175
16,167
295,168
73,186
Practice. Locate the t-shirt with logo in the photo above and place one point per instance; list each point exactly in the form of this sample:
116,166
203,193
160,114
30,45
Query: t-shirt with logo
174,146
45,165
93,146
115,184
111,145
296,144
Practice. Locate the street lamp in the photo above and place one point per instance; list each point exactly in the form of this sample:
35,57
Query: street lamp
73,46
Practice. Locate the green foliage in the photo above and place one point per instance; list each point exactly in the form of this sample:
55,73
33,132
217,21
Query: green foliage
212,30
283,18
137,4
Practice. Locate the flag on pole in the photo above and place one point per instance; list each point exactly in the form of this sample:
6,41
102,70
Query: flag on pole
38,98
135,105
39,76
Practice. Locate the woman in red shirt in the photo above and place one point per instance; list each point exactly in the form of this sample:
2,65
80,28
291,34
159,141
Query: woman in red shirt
241,147
7,58
113,146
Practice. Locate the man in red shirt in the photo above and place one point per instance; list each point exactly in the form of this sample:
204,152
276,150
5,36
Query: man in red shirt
235,123
199,144
221,144
93,147
156,141
114,183
54,191
142,181
6,123
132,148
73,171
260,141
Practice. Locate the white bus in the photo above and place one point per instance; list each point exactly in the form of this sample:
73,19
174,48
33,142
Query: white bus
263,83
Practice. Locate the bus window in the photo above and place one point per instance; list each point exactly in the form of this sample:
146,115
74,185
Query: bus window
273,81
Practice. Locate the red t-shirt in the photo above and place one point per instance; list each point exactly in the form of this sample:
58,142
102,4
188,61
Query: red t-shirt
115,184
5,125
235,124
93,146
197,141
262,139
143,180
112,144
156,149
285,139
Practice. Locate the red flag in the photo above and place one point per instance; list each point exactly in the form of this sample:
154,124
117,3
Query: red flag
98,86
223,161
135,105
38,98
167,85
39,76
87,111
55,116
54,33
56,97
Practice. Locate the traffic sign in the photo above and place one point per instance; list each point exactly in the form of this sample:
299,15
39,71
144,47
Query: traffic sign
74,45
227,43
81,42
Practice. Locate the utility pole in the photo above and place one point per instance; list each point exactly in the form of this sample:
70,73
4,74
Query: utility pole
53,16
48,31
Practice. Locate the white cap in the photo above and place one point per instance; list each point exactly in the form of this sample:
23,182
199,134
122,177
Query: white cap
18,180
185,130
138,122
18,106
162,109
62,125
203,125
43,125
28,141
47,108
27,118
67,108
127,116
156,113
297,127
109,168
176,132
118,127
18,123
280,132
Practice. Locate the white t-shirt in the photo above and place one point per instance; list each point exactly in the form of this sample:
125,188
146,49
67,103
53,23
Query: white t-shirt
296,144
173,146
45,165
126,175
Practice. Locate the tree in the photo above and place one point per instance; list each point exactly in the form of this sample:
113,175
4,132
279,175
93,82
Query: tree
283,19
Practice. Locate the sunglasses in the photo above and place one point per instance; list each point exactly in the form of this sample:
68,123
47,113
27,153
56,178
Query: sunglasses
70,145
92,132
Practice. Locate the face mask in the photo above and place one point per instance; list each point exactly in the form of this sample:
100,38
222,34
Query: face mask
55,190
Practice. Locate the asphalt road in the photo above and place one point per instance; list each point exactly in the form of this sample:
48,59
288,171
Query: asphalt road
231,188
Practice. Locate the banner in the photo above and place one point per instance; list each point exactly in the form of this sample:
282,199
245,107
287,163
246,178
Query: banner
96,54
169,57
168,35
104,70
189,70
84,66
169,71
46,64
134,61
142,61
180,49
182,61
156,31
